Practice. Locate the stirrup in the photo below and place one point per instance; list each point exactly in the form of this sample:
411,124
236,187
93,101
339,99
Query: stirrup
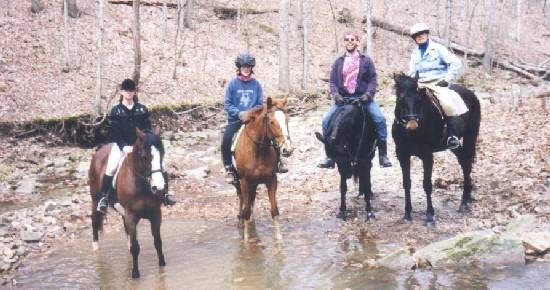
103,205
231,177
453,142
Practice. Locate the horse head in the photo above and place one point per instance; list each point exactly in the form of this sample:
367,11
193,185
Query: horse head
409,108
149,152
272,120
342,133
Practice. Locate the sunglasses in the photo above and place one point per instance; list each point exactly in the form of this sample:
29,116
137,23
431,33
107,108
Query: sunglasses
349,39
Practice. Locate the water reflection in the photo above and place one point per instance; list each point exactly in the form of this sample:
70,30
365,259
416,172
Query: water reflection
315,254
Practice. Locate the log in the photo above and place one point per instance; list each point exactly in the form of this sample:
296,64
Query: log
377,22
511,67
231,13
130,3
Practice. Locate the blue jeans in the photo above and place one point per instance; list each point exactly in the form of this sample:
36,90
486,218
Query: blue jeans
374,112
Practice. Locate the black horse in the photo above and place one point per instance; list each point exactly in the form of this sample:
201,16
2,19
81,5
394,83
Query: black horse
350,142
419,130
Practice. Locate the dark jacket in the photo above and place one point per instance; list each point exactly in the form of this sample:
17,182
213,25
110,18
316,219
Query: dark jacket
366,79
125,121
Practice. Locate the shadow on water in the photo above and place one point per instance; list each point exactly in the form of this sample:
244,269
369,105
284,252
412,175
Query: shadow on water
211,255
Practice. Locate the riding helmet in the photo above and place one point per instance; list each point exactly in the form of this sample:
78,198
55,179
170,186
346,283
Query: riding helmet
245,59
128,85
419,28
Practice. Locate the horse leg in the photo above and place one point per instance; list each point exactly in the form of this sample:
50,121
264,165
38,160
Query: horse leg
271,192
365,187
343,189
428,163
129,244
465,161
97,222
155,230
405,162
134,248
245,206
252,199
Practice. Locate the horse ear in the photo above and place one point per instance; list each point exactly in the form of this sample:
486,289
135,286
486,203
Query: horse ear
416,76
156,130
269,103
139,134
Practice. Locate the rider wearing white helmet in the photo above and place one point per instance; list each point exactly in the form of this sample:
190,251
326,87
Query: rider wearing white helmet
437,68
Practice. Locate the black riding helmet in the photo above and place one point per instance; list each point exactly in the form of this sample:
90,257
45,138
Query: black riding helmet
245,59
128,85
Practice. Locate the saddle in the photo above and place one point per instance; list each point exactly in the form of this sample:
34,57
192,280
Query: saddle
236,139
435,102
118,169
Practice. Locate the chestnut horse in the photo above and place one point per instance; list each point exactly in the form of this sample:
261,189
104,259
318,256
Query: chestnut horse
265,132
139,188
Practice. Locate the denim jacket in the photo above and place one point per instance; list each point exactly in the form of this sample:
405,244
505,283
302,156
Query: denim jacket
437,63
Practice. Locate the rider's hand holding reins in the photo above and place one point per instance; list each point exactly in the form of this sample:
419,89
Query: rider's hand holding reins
442,83
338,99
366,98
243,115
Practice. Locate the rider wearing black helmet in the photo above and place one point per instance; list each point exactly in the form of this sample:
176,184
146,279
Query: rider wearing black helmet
243,93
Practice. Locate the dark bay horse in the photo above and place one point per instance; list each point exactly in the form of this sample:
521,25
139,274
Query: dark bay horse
419,130
139,187
350,142
265,131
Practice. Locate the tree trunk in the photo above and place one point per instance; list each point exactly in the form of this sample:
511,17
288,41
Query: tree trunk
66,66
137,44
448,13
178,26
99,72
74,12
518,25
437,15
334,24
188,14
165,18
305,54
284,69
487,60
36,6
369,41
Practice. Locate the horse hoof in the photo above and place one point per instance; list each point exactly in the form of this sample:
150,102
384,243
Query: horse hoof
162,263
407,218
135,274
464,208
341,215
95,246
370,216
430,224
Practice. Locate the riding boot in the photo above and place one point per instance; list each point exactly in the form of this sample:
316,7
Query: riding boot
454,129
328,163
231,175
383,154
103,203
167,199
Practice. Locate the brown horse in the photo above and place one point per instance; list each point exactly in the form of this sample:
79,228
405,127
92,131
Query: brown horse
139,187
265,133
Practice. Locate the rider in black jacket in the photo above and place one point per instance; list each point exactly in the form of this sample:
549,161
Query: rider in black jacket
125,117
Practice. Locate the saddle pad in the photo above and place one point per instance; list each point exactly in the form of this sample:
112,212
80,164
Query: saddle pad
118,169
236,139
450,101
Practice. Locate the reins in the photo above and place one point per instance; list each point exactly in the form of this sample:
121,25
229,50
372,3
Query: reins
272,142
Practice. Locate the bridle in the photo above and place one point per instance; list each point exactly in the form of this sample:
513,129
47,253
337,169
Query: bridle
272,142
403,120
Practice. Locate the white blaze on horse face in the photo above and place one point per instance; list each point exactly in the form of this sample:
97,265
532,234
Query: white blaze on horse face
281,119
157,177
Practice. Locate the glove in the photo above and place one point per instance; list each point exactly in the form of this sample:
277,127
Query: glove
127,149
338,99
243,115
366,98
442,83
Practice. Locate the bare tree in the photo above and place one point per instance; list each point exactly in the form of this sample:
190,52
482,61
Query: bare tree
284,68
99,71
74,12
177,52
165,18
137,43
36,6
448,22
188,14
469,16
369,41
305,54
334,24
66,66
489,36
437,15
518,24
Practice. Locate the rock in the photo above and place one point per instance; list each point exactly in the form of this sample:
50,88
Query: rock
400,259
8,253
20,251
539,242
198,173
26,186
481,248
82,168
4,266
49,205
31,237
522,224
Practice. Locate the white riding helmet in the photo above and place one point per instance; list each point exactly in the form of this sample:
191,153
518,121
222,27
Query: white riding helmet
419,27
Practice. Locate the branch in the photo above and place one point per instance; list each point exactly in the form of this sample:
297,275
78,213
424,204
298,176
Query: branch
231,13
131,2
